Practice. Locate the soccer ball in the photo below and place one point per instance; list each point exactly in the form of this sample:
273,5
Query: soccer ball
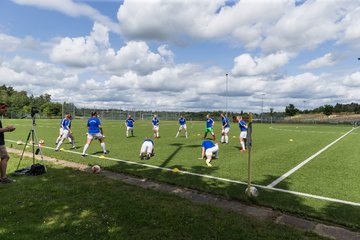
95,169
41,142
253,192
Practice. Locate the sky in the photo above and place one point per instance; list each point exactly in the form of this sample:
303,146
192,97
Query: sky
183,55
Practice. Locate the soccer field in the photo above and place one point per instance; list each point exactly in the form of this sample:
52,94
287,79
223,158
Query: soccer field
305,169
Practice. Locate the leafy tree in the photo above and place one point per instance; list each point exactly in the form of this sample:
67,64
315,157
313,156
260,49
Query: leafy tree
291,110
328,110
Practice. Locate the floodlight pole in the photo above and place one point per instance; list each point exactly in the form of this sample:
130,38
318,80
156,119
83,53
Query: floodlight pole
262,106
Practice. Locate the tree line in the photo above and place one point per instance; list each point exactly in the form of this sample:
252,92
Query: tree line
21,103
326,109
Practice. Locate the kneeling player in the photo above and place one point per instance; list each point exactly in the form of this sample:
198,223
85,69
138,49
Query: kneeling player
208,149
147,149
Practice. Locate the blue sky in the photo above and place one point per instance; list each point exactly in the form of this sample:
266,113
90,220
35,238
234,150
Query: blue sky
174,54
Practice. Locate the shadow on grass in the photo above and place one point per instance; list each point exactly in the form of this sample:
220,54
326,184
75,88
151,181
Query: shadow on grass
69,204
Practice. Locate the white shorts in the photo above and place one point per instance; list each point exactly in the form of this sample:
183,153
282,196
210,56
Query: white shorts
129,128
182,127
210,151
61,131
225,130
65,133
243,134
95,135
146,147
156,128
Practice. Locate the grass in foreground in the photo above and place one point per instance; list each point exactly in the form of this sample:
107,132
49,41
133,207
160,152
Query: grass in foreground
69,204
273,154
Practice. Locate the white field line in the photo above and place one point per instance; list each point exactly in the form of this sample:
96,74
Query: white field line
291,171
297,130
215,178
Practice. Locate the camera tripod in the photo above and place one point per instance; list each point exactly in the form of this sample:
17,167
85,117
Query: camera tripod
34,142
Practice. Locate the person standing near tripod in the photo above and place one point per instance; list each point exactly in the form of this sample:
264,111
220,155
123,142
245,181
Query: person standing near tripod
3,153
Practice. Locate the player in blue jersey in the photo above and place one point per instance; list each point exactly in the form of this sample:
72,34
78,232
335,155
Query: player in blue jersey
61,132
182,122
208,149
95,130
209,126
129,126
225,129
243,133
155,123
147,149
66,132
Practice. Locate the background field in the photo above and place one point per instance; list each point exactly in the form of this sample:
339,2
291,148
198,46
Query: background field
333,173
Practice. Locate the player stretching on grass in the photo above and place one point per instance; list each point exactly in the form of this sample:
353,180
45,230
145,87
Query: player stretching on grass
243,133
94,131
155,123
225,129
209,126
182,122
66,132
61,132
129,126
208,149
147,149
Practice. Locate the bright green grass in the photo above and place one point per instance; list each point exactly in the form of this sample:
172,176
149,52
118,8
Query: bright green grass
69,204
273,155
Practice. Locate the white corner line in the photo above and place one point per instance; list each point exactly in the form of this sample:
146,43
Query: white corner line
291,171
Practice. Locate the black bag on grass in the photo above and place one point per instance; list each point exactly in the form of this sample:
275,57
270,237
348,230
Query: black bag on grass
37,169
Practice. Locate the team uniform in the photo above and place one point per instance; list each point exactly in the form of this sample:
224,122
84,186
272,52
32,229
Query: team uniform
209,127
66,133
208,149
94,132
147,149
129,126
60,131
155,123
243,134
225,130
182,122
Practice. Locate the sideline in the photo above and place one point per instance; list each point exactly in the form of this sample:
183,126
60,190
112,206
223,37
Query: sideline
291,171
213,177
258,212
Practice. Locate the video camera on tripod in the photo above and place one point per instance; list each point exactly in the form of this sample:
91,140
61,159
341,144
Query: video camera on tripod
33,140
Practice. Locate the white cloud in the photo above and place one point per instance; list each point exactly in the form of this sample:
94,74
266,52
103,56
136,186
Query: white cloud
308,25
9,43
75,52
72,8
134,56
36,76
352,80
246,65
326,60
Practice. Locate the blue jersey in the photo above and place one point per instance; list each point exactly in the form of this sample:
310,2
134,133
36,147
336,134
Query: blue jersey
155,122
130,122
207,144
182,121
242,126
62,121
149,140
94,125
225,122
209,123
66,123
